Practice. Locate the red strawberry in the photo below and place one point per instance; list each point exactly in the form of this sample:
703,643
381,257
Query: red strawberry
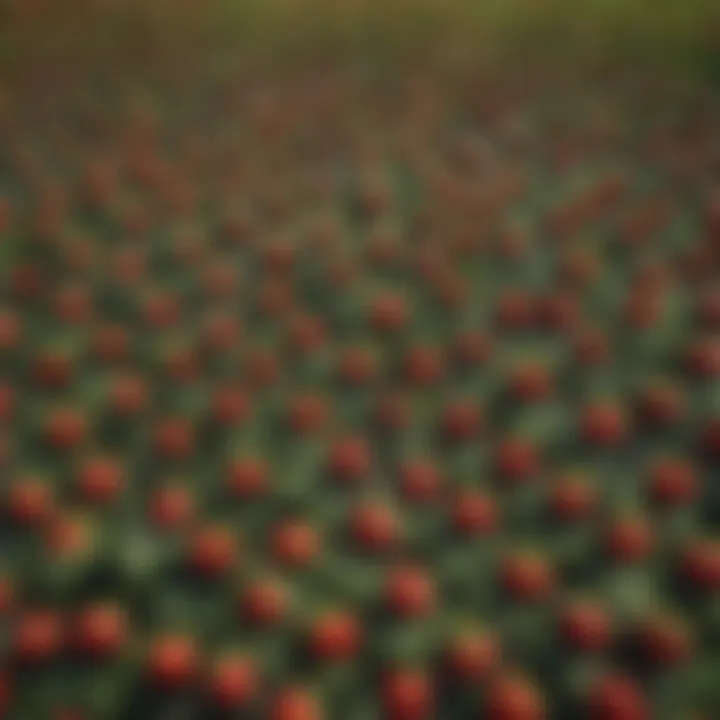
420,479
350,459
53,369
65,429
30,501
213,551
527,577
530,382
10,330
410,591
604,424
703,358
172,661
461,421
472,349
616,697
389,312
700,564
248,477
307,413
515,310
128,395
171,506
295,543
408,694
665,641
661,404
517,459
100,480
573,498
374,526
294,703
335,636
264,602
423,366
37,636
591,348
672,482
472,656
512,697
101,630
111,342
233,681
392,412
629,539
585,626
358,365
474,513
174,438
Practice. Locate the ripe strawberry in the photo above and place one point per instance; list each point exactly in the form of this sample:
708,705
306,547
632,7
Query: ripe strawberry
389,312
629,539
527,577
100,630
530,382
512,697
616,697
294,703
392,412
174,438
213,551
335,636
665,641
461,421
471,657
30,501
172,661
423,366
420,479
128,395
65,429
248,477
672,482
661,404
703,358
408,694
410,591
473,513
37,636
233,681
295,543
604,424
700,564
264,602
53,369
171,506
308,413
374,526
585,626
517,459
11,331
572,498
100,480
472,349
350,459
515,310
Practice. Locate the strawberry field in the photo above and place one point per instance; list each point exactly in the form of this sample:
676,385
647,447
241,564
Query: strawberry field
359,362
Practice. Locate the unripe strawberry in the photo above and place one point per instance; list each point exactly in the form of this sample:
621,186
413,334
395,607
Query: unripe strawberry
512,697
604,424
100,630
474,513
335,636
408,694
233,682
572,498
171,506
264,602
172,662
213,551
629,539
37,637
350,459
410,591
516,459
616,697
295,543
100,480
527,577
294,703
585,626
